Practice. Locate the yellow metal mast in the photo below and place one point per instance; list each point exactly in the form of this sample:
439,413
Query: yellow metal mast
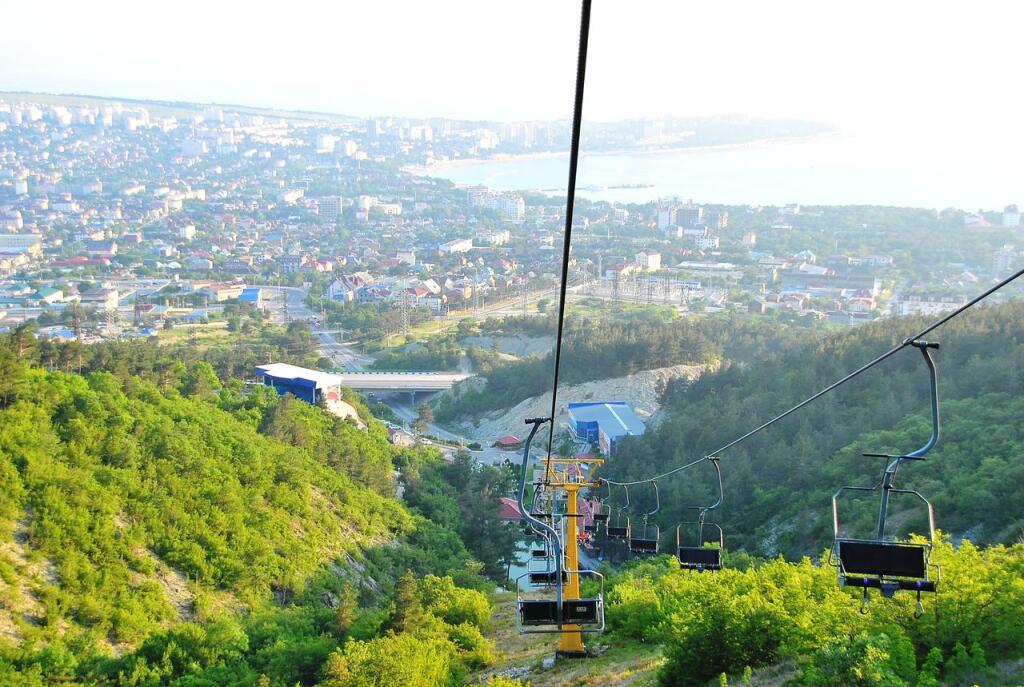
570,642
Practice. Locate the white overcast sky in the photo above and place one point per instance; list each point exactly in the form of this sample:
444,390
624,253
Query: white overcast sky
933,65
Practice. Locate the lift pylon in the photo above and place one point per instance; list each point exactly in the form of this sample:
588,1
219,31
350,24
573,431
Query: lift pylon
569,615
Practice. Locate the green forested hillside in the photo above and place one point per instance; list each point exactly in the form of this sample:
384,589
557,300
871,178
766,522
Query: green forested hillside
612,342
779,484
198,535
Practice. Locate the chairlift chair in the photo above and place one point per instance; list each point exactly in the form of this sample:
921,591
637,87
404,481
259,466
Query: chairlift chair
646,543
881,563
598,515
546,578
542,615
540,550
618,530
697,556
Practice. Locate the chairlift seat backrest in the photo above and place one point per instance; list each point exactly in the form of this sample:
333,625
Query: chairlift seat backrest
692,557
590,528
540,553
643,545
582,611
600,517
889,559
547,577
617,532
575,612
538,612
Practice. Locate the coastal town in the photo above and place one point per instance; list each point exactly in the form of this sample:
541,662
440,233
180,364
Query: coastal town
128,220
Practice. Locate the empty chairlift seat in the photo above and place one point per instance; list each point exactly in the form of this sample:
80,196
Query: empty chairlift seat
643,546
616,532
533,613
547,577
699,558
645,542
879,564
574,612
582,611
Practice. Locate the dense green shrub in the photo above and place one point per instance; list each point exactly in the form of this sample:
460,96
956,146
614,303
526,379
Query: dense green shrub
712,623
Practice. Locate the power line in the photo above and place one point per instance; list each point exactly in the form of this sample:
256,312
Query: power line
657,477
574,157
863,368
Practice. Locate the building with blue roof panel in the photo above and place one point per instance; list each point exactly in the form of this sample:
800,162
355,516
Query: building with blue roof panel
604,423
252,294
308,385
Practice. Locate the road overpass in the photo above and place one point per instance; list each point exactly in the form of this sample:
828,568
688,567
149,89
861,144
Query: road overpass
401,381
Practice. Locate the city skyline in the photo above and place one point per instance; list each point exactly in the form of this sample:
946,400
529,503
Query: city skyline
918,70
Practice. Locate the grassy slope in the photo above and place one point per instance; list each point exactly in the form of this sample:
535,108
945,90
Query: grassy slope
123,510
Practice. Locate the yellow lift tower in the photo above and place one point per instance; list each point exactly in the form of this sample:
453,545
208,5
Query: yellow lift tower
569,615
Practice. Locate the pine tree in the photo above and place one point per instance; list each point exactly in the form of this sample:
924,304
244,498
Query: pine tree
347,611
407,607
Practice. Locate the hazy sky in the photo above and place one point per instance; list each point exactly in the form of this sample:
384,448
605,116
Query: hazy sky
929,66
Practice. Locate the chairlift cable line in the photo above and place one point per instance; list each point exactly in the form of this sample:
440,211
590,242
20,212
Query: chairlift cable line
574,155
864,368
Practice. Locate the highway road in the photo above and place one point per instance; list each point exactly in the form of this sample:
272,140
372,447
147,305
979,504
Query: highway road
408,414
288,303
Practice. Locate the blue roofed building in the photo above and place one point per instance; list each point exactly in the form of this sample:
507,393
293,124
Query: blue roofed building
309,385
252,294
312,386
604,423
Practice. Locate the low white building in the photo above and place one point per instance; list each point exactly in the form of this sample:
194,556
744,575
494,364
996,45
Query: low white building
649,262
456,246
927,303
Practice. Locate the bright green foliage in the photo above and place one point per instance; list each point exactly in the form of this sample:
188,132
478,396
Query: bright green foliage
207,551
502,681
215,649
979,602
463,497
392,660
363,455
113,477
965,667
455,605
438,640
928,675
863,660
712,623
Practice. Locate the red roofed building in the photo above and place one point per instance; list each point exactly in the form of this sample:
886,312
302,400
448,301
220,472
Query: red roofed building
509,509
508,443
